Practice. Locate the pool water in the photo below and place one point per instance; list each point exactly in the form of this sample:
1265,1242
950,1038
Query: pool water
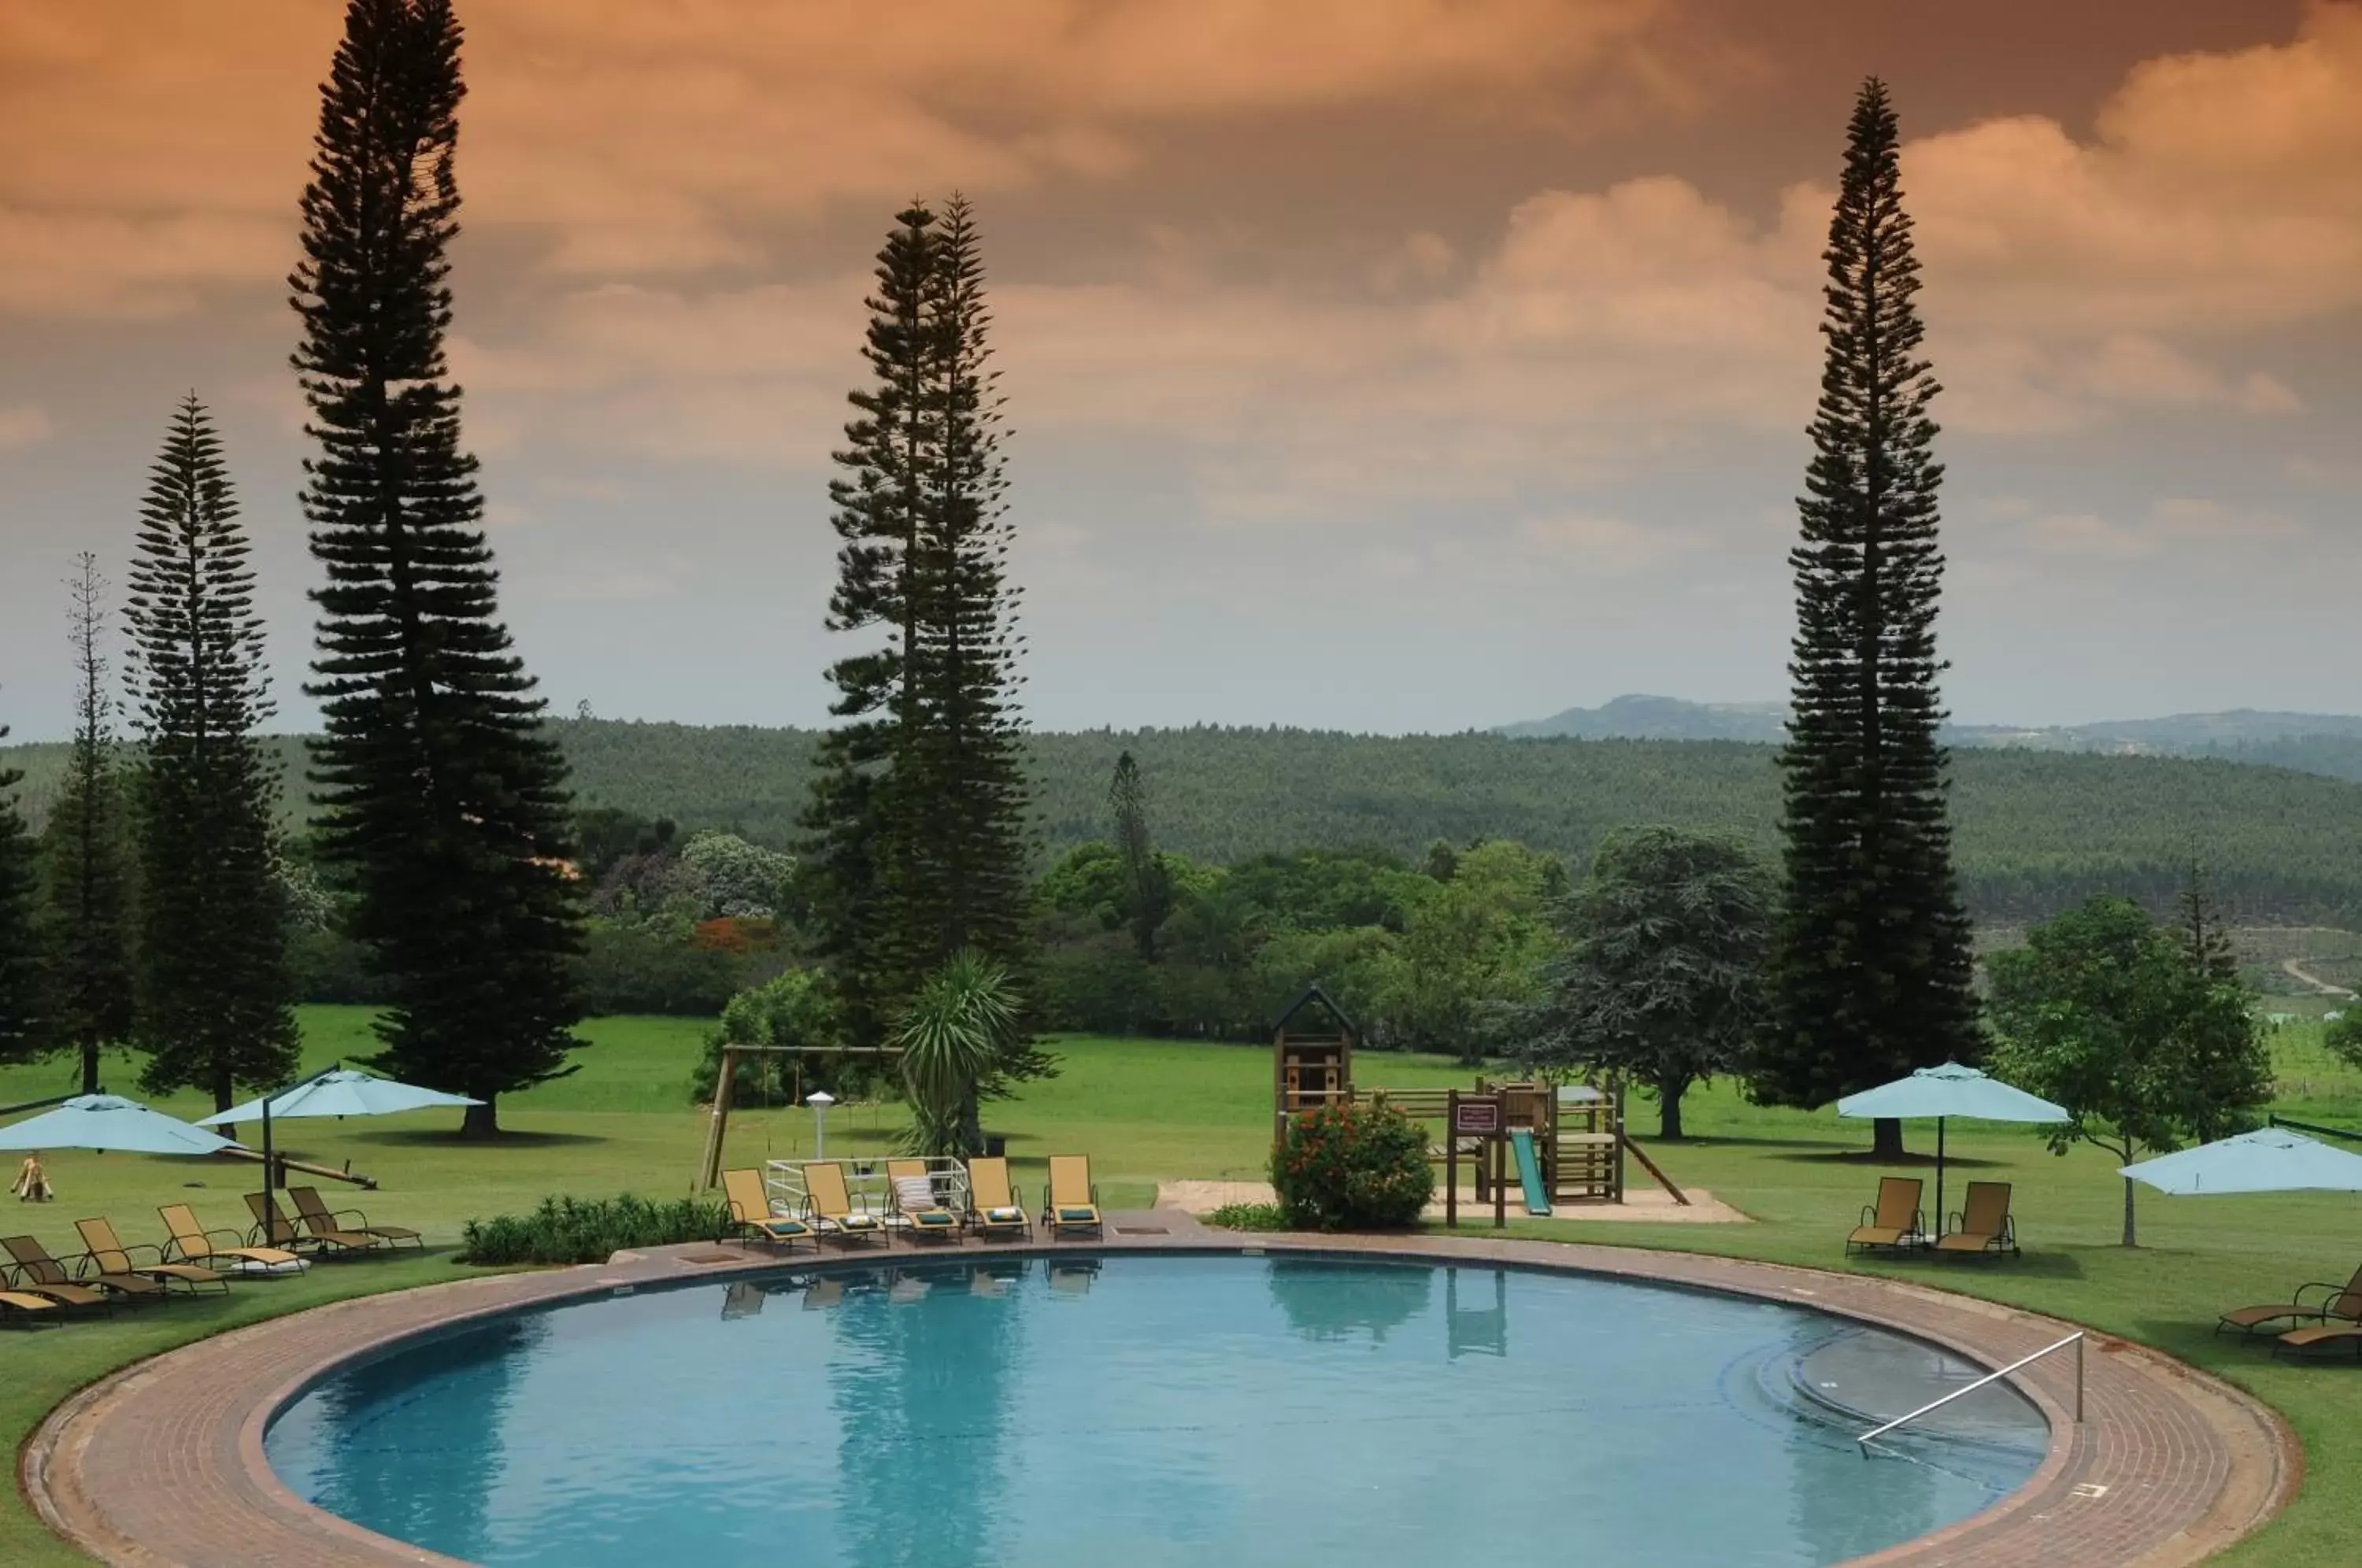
1143,1410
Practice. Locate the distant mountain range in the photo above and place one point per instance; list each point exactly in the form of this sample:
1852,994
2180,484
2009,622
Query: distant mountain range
2246,733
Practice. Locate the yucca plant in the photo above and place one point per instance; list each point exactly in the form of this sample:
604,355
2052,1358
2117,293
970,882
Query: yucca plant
955,1032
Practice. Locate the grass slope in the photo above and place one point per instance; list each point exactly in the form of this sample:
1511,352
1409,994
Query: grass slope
1152,1109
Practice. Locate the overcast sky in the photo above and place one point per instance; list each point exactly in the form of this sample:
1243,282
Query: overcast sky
1373,364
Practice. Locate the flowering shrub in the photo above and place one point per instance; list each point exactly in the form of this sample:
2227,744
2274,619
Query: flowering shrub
1352,1167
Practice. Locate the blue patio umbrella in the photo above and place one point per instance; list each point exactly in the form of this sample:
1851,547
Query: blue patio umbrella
338,1091
2273,1160
112,1124
1943,1093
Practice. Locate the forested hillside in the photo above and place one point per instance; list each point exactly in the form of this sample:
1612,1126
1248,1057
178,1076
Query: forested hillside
2037,829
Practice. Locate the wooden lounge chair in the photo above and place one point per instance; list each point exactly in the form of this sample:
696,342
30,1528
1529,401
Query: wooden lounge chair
1071,1200
108,1255
2334,1306
914,1200
21,1305
992,1206
37,1271
1983,1228
2303,1341
828,1204
751,1216
314,1214
270,1228
1894,1222
195,1244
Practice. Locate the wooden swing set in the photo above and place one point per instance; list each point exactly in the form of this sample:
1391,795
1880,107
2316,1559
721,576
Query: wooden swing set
725,1083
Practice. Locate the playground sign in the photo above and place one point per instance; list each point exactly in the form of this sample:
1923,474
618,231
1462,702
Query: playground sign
1477,1118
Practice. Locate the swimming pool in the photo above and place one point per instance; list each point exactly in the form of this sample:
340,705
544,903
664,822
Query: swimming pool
1149,1410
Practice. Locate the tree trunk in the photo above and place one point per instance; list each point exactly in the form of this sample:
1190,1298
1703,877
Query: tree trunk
1669,1111
90,1062
2132,1234
1886,1139
482,1120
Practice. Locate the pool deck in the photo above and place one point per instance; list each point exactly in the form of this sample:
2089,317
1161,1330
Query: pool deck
162,1463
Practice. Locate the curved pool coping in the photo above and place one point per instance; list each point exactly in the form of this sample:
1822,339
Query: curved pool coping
163,1462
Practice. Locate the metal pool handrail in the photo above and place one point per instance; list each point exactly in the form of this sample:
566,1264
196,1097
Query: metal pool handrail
2075,1339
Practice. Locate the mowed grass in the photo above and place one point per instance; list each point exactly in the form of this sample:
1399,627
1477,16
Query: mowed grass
1148,1110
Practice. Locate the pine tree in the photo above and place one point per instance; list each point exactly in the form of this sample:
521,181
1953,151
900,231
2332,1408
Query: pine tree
1151,889
1869,976
2200,931
213,990
958,873
88,883
878,507
23,1021
441,795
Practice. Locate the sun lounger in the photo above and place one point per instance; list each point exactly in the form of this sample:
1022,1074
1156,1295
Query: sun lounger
750,1212
197,1244
829,1206
2335,1305
108,1255
59,1291
1894,1222
314,1214
271,1227
37,1271
1983,1227
992,1206
914,1200
2330,1335
20,1305
1071,1200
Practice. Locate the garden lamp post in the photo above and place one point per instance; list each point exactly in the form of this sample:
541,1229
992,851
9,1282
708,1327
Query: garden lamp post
820,1101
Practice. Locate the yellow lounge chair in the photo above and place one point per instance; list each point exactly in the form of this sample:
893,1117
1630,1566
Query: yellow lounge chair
992,1206
2320,1334
314,1214
108,1255
904,1178
1893,1221
24,1304
750,1212
1983,1226
2336,1307
1071,1200
828,1204
37,1271
271,1227
195,1245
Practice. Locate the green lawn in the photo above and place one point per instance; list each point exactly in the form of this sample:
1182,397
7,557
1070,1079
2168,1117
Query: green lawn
1151,1110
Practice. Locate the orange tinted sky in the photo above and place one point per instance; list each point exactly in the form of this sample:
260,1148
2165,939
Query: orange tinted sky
1375,363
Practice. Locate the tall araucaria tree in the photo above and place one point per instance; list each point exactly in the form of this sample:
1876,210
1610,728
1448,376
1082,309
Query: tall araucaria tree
1149,885
919,818
958,869
23,1011
215,993
441,795
1869,974
84,851
880,511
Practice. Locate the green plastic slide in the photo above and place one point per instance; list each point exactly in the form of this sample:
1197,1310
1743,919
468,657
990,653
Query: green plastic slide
1529,1170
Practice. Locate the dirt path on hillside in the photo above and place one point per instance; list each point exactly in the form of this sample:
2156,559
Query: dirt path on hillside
2295,971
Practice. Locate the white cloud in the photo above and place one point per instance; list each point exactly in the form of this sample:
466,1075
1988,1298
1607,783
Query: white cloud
24,425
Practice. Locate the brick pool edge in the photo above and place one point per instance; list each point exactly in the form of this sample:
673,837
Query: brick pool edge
163,1462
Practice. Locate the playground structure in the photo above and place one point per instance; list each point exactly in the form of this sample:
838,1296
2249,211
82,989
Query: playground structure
709,1165
1310,1066
1561,1144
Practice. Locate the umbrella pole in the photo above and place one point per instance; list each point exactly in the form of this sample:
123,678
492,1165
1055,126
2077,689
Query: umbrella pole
267,1183
1939,1178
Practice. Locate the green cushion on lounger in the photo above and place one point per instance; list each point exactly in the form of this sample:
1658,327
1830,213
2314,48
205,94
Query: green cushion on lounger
938,1217
1079,1216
